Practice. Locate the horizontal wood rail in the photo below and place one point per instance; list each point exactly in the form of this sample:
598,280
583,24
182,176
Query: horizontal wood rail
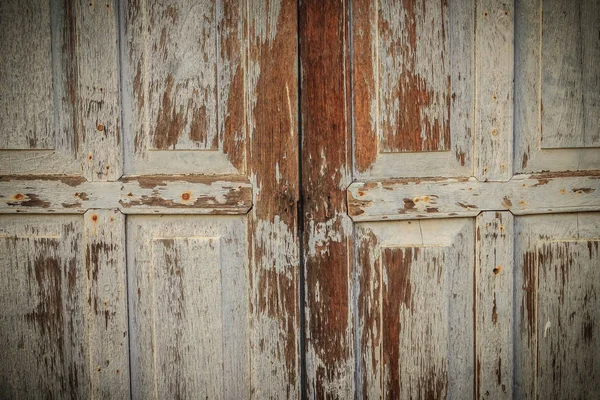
467,197
186,194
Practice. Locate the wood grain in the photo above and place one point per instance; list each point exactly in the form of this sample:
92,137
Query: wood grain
326,161
494,254
556,275
570,74
99,103
273,170
106,307
494,64
26,96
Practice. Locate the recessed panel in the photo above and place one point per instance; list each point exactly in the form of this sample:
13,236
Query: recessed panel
557,78
43,336
26,103
570,73
557,344
189,306
184,86
412,88
414,289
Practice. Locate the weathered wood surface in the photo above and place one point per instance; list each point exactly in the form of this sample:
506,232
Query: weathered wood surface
414,291
188,312
494,254
570,74
184,86
38,94
494,65
536,119
106,304
326,172
402,102
99,103
524,194
132,195
26,96
557,344
44,337
273,170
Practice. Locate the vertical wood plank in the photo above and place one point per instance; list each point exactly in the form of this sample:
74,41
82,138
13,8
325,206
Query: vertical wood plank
106,316
98,83
273,168
327,228
527,90
494,90
494,305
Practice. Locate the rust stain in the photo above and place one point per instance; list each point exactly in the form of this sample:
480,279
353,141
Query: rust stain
18,196
506,203
185,196
541,182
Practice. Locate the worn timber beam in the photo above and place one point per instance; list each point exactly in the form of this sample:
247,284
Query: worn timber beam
467,197
131,195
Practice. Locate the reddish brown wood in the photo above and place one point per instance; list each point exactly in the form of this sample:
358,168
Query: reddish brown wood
273,169
363,85
327,228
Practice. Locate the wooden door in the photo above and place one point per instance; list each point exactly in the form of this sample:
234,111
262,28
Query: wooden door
149,162
462,260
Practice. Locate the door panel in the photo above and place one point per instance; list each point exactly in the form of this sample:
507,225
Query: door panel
556,86
414,293
409,110
185,81
44,304
402,303
556,290
189,320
